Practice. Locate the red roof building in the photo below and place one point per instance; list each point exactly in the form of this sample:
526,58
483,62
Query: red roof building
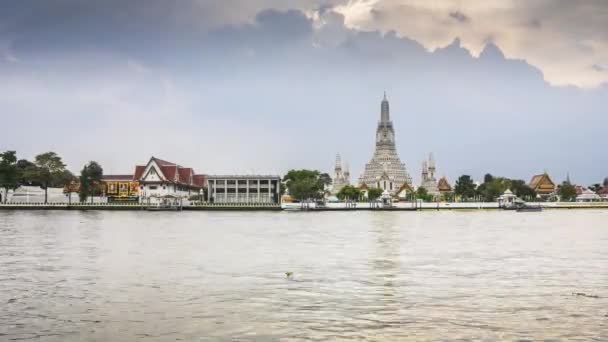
161,179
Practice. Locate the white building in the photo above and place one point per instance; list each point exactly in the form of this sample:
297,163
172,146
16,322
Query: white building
161,181
244,189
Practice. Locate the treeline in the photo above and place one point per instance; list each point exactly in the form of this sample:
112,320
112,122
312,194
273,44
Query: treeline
47,170
492,187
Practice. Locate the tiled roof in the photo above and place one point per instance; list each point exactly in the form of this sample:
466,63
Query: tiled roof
173,173
444,185
541,180
161,162
139,172
117,177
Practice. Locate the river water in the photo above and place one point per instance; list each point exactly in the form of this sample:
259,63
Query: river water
374,276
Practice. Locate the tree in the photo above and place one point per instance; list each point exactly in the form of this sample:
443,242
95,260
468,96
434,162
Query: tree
522,190
595,187
567,192
465,188
423,194
304,184
90,179
374,193
9,173
349,192
491,190
48,172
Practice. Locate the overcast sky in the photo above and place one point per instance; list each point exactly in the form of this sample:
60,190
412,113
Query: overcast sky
240,86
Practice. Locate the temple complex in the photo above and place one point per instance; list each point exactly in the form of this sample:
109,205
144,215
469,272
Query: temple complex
341,176
428,180
385,170
543,185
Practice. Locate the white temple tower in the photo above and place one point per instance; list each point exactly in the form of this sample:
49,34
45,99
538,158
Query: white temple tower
428,176
385,170
341,177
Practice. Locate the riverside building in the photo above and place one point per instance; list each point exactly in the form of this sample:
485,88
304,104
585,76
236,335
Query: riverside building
243,189
161,181
385,170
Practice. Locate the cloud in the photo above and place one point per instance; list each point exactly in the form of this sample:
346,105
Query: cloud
285,88
547,34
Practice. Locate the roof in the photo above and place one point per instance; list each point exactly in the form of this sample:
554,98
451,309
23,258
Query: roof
443,185
161,162
173,172
263,177
406,187
139,171
117,177
603,191
541,180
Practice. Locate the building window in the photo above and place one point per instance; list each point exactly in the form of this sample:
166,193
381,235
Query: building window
153,187
164,187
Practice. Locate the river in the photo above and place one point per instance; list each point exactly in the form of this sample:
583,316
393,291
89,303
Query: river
372,276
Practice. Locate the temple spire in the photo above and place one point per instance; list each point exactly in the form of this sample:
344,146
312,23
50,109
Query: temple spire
384,110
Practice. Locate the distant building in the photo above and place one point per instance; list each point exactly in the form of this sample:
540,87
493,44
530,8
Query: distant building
341,176
160,181
444,186
428,176
543,185
120,188
243,189
404,191
588,196
385,170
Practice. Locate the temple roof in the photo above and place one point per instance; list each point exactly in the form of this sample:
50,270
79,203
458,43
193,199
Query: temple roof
541,181
172,173
443,185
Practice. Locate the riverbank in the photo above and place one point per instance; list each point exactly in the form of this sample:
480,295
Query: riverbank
363,206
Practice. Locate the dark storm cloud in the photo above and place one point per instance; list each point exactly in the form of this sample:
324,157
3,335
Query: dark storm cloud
459,16
169,70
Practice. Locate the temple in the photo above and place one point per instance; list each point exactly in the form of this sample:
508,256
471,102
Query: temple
341,176
428,180
543,185
385,170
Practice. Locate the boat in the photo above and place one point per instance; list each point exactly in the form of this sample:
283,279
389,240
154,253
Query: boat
166,203
529,208
163,207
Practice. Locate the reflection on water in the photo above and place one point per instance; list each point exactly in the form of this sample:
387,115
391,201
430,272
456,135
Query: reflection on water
128,276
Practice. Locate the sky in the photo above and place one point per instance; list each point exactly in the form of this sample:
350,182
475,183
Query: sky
508,87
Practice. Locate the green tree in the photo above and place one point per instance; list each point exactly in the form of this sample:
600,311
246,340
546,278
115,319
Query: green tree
595,187
90,179
304,184
490,191
423,194
374,193
522,190
48,172
9,173
567,192
465,188
349,192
